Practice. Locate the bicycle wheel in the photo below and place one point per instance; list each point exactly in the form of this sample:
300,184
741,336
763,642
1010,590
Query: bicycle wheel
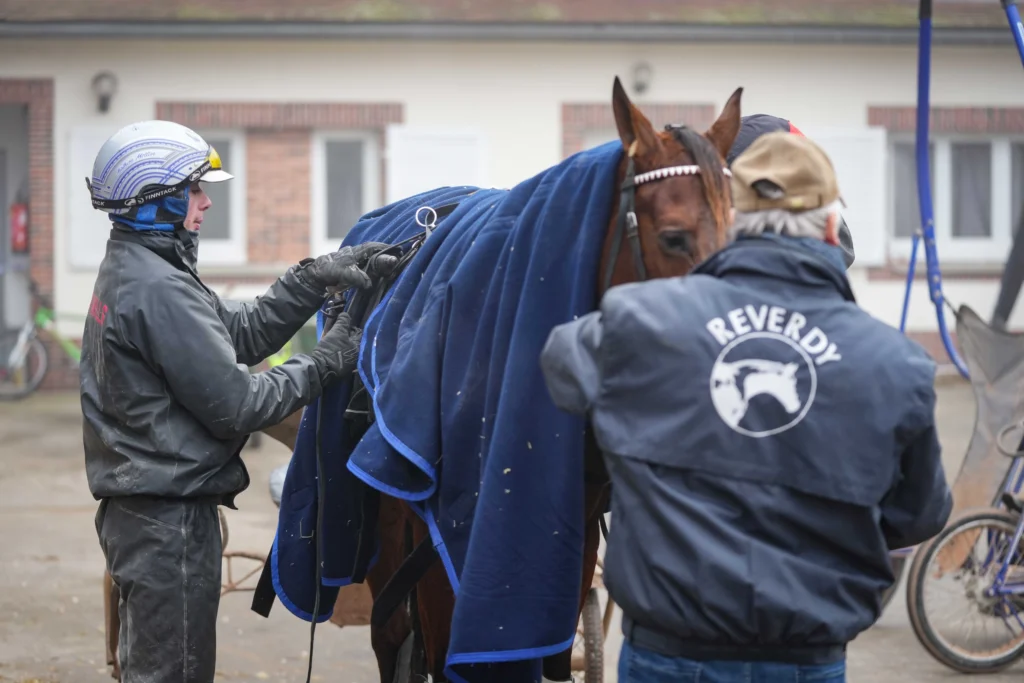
24,377
995,637
899,564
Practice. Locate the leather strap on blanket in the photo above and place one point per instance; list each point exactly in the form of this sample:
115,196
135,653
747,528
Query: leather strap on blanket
401,584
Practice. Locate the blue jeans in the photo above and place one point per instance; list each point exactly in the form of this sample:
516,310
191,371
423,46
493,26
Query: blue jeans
644,666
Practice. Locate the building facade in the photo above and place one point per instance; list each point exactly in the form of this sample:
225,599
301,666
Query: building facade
322,127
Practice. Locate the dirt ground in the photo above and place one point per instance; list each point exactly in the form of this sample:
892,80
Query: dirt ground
51,614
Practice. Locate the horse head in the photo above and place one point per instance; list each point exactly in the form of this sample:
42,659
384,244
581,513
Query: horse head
679,191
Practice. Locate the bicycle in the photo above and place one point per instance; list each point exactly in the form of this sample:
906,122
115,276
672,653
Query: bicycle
25,358
993,584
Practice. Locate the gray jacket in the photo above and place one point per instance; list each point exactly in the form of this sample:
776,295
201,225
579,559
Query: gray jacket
167,399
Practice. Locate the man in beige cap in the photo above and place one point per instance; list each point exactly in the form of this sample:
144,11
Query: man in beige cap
768,442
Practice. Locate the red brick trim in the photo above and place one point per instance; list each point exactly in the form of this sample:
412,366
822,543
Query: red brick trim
991,120
967,271
280,116
37,94
578,118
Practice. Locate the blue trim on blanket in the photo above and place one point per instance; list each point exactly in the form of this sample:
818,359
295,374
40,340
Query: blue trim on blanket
499,656
442,550
373,482
283,597
341,583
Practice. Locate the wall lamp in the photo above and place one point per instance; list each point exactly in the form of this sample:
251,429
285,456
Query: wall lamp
104,87
641,77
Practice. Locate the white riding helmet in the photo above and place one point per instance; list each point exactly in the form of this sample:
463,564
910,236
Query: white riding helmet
149,160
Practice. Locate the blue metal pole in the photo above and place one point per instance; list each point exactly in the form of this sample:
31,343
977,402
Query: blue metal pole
924,189
1013,16
911,268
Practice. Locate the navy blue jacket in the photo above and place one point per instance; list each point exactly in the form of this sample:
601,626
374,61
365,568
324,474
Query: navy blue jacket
767,440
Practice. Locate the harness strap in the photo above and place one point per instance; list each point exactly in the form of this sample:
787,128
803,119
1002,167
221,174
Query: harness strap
634,237
627,208
403,581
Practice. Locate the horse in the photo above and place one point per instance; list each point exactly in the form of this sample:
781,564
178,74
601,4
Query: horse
674,208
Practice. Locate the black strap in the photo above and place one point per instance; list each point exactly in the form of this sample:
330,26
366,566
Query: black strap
264,595
627,190
401,584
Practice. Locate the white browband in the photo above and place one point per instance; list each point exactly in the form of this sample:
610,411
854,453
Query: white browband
670,171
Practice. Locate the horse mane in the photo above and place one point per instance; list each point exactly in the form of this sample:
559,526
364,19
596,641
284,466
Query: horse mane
712,172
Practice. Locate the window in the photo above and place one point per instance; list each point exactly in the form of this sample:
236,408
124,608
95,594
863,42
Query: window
224,224
976,194
599,136
346,184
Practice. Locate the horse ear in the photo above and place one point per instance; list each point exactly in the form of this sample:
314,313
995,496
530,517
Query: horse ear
724,131
791,369
633,126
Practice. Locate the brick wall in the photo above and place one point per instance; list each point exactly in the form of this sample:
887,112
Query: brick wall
37,95
278,166
992,120
580,118
278,172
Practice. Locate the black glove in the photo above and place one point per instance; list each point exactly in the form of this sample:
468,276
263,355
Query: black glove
341,269
337,352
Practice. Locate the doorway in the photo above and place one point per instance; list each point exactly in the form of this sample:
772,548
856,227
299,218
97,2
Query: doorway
15,303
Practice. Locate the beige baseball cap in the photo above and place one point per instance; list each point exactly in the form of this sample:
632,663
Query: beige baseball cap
799,175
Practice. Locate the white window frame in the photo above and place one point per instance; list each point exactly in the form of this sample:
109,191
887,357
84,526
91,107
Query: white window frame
320,243
965,250
235,249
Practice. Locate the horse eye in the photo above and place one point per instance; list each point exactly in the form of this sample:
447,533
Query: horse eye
676,241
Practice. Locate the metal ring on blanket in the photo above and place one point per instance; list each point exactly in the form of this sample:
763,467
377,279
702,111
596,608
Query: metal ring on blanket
427,226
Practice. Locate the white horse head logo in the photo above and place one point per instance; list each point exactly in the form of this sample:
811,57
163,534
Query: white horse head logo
734,384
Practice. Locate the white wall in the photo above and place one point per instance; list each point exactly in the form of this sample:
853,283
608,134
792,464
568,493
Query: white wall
512,93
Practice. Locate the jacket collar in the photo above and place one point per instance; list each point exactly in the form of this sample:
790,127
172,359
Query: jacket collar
179,247
777,258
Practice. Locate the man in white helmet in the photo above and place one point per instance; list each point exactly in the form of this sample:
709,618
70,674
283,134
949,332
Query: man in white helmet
167,399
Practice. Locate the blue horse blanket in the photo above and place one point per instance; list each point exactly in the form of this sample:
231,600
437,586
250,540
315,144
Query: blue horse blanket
465,429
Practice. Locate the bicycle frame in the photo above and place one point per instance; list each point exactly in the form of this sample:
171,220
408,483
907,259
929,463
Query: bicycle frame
17,354
44,319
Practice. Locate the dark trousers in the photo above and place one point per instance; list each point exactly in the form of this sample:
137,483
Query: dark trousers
164,555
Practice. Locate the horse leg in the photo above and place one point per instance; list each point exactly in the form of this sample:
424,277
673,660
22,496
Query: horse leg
435,601
388,640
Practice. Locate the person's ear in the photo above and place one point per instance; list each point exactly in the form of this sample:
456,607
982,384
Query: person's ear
831,229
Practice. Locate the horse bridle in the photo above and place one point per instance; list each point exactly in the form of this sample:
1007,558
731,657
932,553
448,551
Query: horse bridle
627,224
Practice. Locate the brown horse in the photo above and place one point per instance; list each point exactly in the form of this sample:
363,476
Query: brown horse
681,218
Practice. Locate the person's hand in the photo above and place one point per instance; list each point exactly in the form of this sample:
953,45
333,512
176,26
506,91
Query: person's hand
337,352
342,269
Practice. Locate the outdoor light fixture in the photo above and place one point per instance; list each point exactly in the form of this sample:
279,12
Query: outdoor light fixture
104,86
641,77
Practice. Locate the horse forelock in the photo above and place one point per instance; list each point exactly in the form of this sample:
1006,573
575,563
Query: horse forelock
712,172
